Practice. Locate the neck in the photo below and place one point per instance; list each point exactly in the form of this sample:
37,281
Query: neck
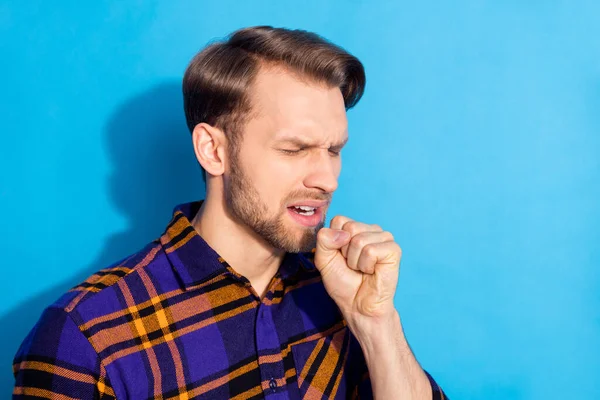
247,253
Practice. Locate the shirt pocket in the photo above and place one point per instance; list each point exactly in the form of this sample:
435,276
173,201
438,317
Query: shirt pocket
321,366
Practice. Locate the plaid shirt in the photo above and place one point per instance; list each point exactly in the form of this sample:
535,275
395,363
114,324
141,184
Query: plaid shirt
175,321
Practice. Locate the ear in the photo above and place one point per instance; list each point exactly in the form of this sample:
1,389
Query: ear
209,146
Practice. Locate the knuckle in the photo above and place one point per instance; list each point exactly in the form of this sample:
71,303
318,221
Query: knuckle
388,236
350,226
370,250
398,248
355,227
358,241
337,219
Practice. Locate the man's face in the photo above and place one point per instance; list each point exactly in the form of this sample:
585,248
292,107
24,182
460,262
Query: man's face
289,157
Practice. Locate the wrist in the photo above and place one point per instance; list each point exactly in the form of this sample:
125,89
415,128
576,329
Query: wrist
393,368
376,334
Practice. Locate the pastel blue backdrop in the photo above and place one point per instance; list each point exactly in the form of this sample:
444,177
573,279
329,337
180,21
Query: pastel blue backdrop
477,144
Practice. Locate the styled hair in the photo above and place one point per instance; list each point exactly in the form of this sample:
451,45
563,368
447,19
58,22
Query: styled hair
217,81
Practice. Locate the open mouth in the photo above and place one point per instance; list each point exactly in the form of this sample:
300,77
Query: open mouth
303,210
306,215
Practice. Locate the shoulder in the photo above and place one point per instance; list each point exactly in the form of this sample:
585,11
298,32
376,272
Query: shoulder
57,360
103,292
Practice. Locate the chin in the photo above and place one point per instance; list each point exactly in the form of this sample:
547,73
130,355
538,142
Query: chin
306,243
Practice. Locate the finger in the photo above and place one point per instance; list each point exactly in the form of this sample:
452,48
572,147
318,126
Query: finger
345,223
354,228
329,242
378,253
359,241
338,222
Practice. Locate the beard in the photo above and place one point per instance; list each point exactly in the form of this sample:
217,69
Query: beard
246,205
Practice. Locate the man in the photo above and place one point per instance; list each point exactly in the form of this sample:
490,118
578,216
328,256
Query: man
246,295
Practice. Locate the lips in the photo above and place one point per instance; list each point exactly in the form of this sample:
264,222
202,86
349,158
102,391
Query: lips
309,203
307,220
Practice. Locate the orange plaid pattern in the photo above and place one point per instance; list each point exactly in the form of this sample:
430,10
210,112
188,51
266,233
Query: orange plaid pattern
175,321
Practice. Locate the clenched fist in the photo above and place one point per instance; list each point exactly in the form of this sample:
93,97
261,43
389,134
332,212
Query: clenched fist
359,264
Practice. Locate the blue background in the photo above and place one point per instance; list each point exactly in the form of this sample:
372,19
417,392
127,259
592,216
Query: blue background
477,144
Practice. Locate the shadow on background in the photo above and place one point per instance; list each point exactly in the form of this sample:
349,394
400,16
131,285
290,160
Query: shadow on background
154,169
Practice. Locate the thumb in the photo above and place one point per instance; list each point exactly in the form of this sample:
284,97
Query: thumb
329,242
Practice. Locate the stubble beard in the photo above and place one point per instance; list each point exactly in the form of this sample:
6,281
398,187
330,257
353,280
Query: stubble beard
246,205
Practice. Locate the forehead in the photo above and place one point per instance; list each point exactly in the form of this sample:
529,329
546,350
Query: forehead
285,104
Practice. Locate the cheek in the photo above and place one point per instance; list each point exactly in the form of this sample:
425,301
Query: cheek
283,174
274,179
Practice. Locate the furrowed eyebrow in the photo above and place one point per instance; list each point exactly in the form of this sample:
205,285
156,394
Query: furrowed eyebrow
295,141
339,146
301,143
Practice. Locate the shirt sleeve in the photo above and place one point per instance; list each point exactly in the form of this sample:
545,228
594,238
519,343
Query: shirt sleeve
438,393
57,360
365,391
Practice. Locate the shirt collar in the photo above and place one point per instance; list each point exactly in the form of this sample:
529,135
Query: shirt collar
194,261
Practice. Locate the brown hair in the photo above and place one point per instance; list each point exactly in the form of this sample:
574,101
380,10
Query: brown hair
216,82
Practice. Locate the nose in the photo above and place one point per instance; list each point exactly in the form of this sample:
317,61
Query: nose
324,172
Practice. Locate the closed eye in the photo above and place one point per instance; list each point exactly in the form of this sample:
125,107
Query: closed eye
335,153
291,151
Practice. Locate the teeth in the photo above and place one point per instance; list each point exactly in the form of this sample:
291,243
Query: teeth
306,208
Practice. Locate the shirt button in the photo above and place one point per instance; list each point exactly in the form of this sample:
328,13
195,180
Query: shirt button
272,384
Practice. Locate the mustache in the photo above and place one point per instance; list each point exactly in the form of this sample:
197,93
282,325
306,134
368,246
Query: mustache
309,196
